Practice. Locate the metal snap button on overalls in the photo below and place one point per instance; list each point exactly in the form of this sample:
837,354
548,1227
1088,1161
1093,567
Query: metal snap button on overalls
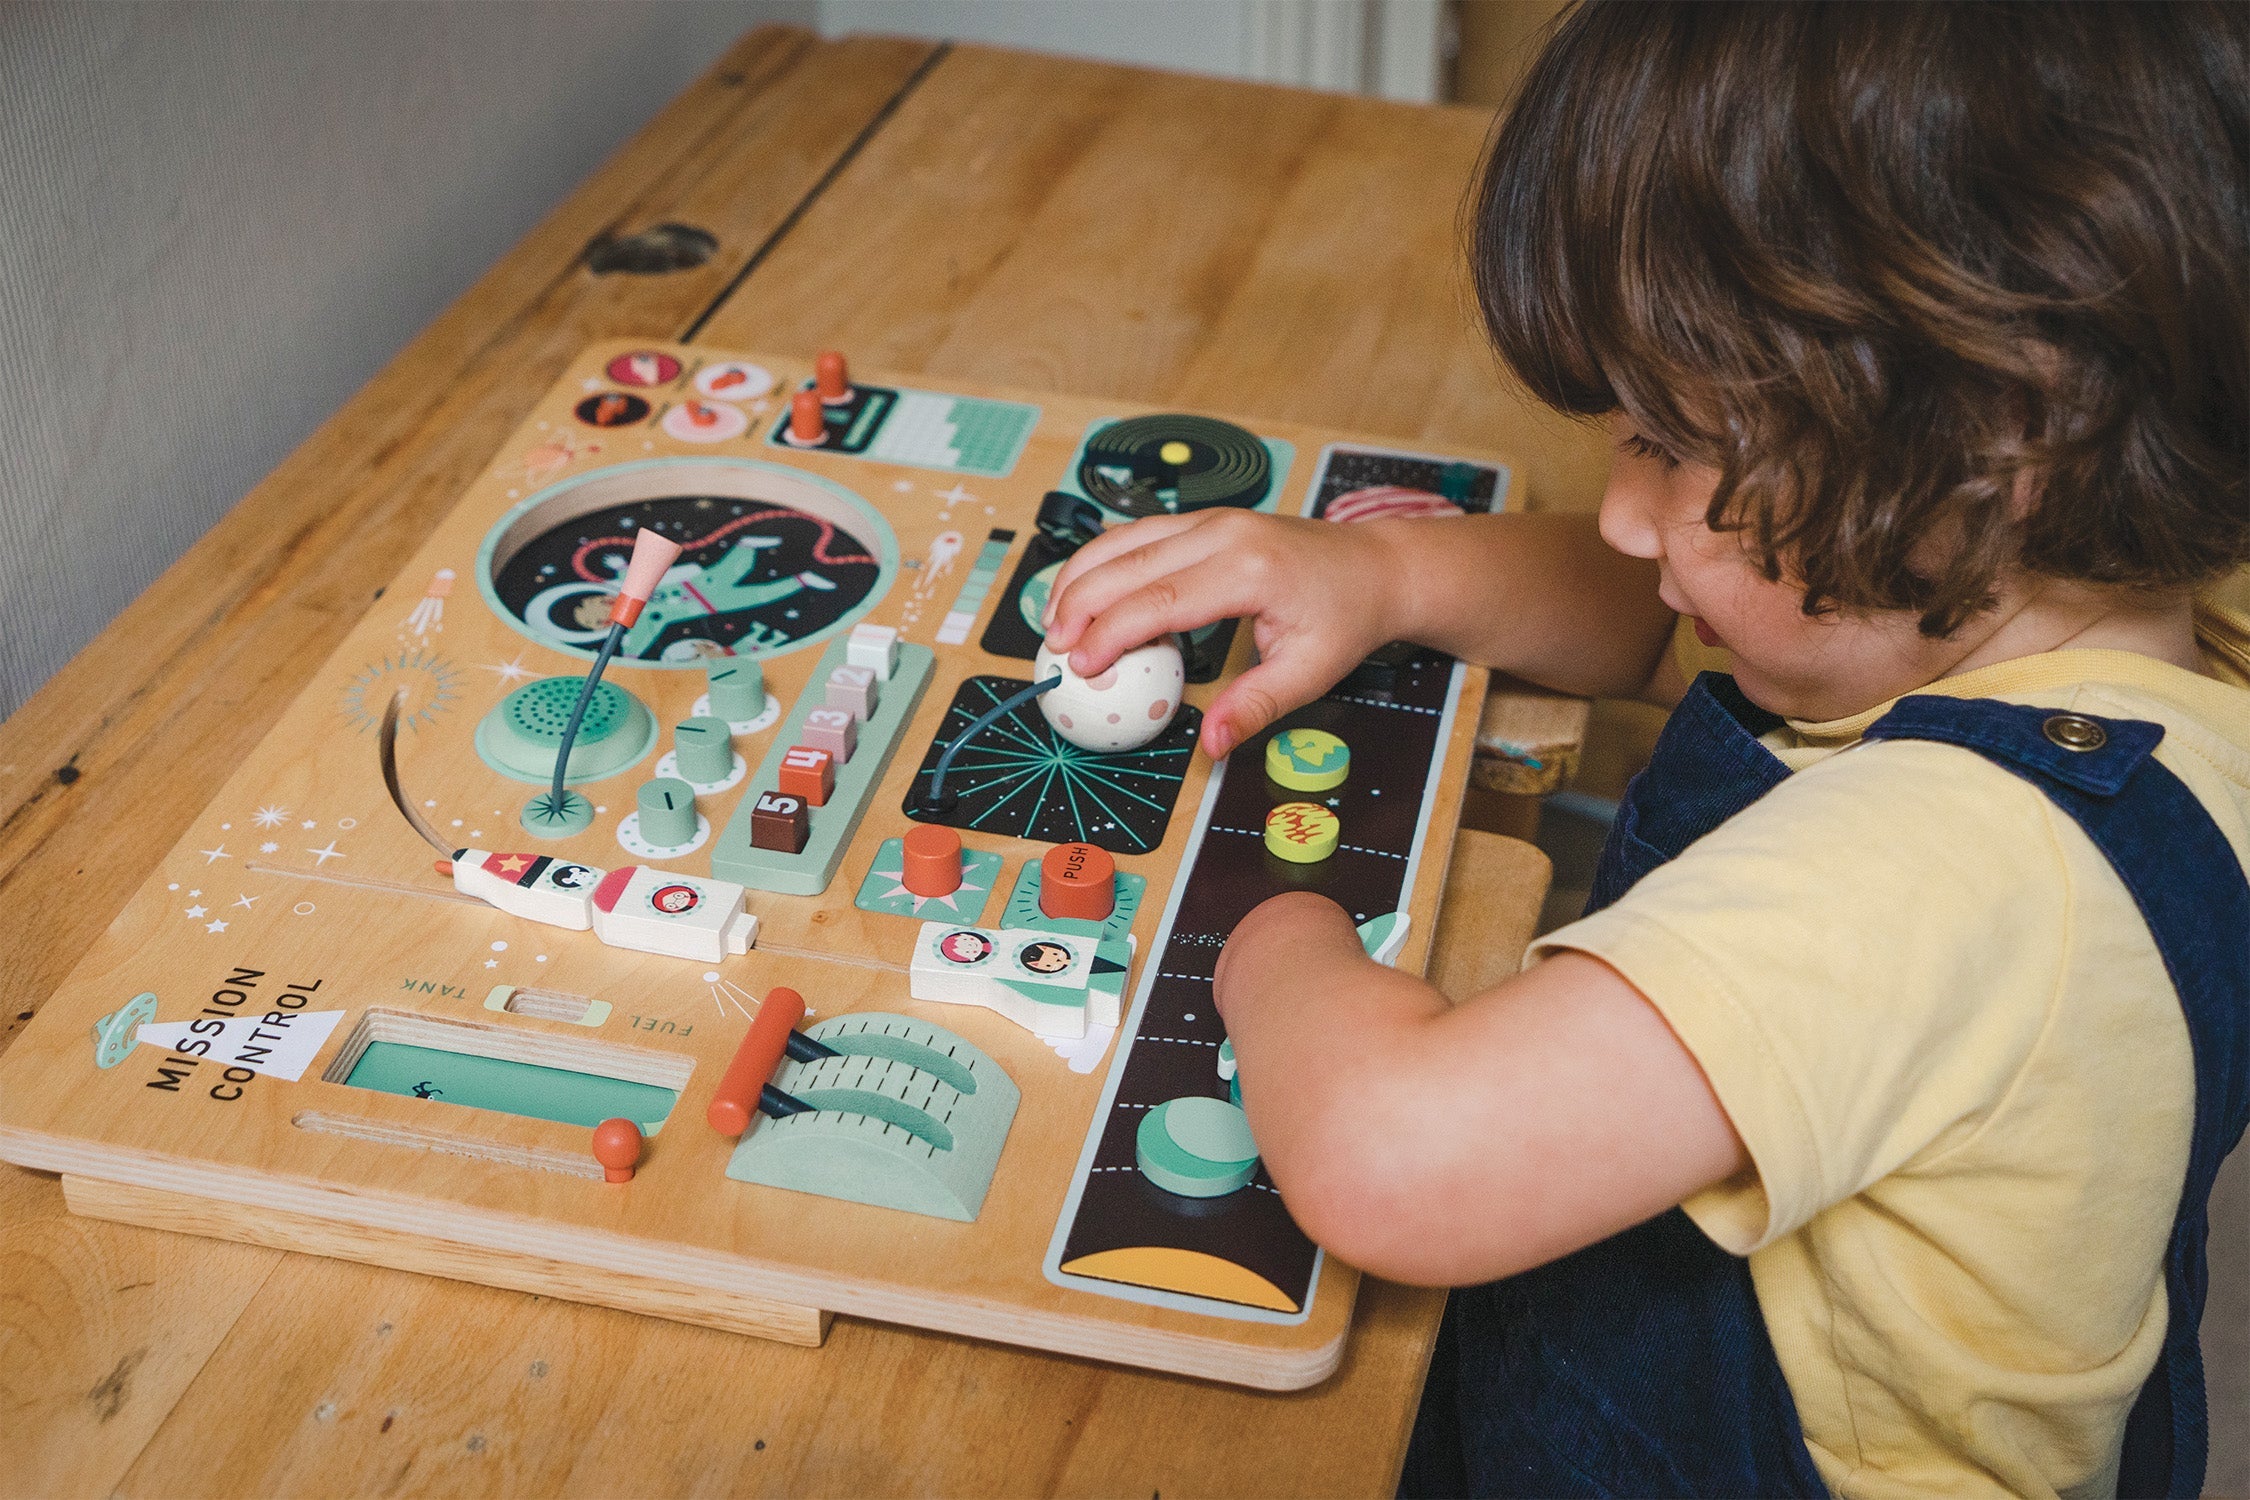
2075,732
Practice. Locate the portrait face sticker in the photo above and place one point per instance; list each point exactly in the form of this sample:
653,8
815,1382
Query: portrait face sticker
1044,958
673,900
964,947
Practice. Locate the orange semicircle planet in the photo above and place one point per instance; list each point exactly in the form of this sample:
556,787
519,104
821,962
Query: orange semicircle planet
1188,1271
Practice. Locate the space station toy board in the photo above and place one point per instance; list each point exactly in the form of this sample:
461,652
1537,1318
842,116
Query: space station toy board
303,1031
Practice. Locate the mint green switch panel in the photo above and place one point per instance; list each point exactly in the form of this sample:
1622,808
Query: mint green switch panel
909,1116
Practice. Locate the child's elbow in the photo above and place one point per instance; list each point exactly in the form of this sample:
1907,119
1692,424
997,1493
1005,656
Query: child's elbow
1352,1195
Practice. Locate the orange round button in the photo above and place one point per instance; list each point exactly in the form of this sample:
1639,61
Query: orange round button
933,860
1078,880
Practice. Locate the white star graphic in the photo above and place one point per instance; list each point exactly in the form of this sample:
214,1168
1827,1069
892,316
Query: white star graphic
324,855
510,671
269,847
215,925
492,963
213,856
197,911
956,495
245,901
310,823
271,817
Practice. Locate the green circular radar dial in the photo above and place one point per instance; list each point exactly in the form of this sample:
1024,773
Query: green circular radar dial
1196,1146
521,734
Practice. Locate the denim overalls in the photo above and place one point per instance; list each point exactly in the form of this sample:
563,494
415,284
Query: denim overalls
1641,1365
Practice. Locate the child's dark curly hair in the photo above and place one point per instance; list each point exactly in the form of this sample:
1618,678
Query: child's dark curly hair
1940,289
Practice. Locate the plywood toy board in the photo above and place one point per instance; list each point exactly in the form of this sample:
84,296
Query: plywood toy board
311,1029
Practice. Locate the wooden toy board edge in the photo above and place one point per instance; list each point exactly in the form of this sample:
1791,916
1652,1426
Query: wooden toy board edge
1250,1354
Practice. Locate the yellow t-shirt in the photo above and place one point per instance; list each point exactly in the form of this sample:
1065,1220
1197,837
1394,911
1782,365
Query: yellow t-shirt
1944,1034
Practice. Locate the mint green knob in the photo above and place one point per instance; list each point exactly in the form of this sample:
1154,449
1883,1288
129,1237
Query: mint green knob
667,808
522,733
705,748
1196,1146
738,687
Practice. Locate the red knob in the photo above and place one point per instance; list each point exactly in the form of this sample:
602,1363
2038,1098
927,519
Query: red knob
933,860
736,1099
617,1146
1078,880
831,378
807,423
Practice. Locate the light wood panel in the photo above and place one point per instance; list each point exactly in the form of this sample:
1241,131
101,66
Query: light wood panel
679,1230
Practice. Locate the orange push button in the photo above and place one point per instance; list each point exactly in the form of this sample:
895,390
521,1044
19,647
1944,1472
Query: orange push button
1078,880
933,860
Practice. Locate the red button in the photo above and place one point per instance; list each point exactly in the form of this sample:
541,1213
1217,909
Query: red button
830,378
1078,880
807,423
933,861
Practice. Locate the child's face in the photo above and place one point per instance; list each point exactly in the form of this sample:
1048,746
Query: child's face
1786,662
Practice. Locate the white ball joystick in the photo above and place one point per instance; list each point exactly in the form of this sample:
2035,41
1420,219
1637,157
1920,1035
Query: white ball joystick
1121,708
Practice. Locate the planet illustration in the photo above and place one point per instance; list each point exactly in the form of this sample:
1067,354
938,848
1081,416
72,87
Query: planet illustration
1120,708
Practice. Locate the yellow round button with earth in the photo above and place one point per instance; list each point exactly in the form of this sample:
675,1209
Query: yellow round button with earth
1303,833
1308,760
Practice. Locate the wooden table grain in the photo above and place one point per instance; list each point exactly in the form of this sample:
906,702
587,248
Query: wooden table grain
949,210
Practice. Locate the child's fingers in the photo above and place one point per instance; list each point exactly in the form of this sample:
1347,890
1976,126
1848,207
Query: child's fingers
1175,598
1112,545
1288,679
1161,572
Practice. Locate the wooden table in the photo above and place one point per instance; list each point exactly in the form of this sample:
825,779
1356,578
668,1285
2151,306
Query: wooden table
955,211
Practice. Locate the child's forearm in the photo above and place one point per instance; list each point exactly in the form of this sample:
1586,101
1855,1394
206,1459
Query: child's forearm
1541,597
1454,1144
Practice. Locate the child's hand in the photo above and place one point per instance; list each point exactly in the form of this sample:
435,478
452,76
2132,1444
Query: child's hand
1319,597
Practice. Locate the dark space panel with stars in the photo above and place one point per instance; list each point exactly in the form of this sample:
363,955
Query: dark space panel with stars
753,576
1395,735
1020,779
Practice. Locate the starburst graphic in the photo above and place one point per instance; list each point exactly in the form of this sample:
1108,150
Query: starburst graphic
511,672
324,855
429,679
1019,778
725,992
271,817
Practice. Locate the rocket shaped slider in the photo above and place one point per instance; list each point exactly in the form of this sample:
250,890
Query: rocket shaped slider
535,886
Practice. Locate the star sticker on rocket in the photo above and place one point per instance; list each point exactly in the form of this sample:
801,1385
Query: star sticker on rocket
514,864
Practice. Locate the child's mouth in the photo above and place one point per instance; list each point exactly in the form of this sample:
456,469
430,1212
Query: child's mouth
1705,633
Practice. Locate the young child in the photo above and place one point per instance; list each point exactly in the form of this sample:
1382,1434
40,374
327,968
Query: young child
1858,1139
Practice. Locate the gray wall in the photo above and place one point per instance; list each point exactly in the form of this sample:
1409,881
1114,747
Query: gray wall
218,220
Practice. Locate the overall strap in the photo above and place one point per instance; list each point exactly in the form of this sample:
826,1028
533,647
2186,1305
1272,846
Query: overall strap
2185,879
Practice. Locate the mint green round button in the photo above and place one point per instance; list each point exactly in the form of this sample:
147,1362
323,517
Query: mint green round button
1196,1146
521,734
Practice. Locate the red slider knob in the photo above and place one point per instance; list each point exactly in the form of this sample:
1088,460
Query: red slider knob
831,378
617,1146
1078,880
807,423
754,1061
933,860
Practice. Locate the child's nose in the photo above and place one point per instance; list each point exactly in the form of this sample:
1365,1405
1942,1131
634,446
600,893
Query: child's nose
1626,524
